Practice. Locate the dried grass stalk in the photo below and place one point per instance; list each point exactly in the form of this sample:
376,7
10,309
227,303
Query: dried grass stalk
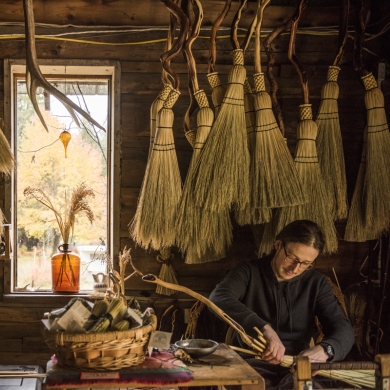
202,234
223,173
376,189
154,220
7,160
78,203
317,209
330,146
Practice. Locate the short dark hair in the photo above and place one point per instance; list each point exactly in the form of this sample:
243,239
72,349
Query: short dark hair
303,231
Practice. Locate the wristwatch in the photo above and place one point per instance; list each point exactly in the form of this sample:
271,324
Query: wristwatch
328,349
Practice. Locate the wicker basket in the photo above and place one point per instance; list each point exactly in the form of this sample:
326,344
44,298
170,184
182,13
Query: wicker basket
100,351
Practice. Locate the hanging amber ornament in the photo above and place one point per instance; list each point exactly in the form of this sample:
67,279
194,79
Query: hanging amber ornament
65,138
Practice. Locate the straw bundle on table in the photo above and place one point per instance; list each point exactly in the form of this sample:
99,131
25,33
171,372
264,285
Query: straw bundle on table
330,146
223,173
202,234
7,160
376,189
317,209
153,223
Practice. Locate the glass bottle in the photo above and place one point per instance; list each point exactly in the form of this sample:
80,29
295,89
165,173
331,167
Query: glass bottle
65,270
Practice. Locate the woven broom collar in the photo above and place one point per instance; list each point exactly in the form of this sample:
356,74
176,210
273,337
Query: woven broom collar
201,98
165,92
369,82
171,99
213,79
247,87
259,82
305,112
238,57
333,73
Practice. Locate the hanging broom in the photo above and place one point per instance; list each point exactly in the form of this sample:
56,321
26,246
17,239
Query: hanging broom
329,141
7,160
306,162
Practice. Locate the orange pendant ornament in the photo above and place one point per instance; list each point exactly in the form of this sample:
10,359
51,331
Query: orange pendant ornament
65,137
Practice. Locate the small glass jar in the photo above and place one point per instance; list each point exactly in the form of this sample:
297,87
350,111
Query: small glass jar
65,270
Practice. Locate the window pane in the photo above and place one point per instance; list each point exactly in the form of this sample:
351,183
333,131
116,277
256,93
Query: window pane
41,163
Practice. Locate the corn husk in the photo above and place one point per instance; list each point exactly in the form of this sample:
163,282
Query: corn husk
7,160
330,146
376,189
202,234
222,177
153,223
317,209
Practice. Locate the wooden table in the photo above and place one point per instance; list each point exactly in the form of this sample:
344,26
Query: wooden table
223,368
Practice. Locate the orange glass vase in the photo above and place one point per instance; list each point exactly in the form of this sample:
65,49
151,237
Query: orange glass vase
65,270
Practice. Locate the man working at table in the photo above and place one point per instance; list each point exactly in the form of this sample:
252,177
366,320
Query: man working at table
281,294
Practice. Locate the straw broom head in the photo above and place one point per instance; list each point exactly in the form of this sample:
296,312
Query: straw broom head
217,92
7,160
330,146
376,190
167,273
153,223
356,230
203,235
154,109
223,173
306,161
275,179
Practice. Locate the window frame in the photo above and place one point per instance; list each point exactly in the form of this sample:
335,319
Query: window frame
81,67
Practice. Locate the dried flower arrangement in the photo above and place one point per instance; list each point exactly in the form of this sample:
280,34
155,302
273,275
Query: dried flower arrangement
78,203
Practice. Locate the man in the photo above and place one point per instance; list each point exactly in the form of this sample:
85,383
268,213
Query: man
281,294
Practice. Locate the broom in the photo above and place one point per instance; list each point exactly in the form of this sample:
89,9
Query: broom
7,160
329,141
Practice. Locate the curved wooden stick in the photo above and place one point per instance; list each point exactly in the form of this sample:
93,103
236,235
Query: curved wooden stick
271,78
291,51
343,29
259,18
35,78
213,37
234,28
362,19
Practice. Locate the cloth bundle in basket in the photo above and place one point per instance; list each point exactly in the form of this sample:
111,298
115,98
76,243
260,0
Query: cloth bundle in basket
100,351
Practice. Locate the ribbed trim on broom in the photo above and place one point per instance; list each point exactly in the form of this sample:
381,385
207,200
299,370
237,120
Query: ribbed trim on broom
153,225
330,146
317,209
7,160
222,177
376,189
202,235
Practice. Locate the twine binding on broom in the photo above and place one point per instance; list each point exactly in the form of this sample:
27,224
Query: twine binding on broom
167,272
330,146
223,173
153,223
376,189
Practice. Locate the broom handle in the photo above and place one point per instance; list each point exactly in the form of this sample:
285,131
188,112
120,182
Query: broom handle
270,75
362,18
213,37
291,50
166,57
344,6
234,27
259,20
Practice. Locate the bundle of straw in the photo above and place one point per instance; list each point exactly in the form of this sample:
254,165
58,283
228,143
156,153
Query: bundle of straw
218,91
7,160
153,222
167,272
376,189
223,173
330,146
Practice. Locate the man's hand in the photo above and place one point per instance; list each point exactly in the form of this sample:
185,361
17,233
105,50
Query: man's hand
274,352
316,354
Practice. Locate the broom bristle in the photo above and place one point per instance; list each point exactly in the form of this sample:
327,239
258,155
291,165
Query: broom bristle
376,189
222,177
218,91
330,147
7,160
154,220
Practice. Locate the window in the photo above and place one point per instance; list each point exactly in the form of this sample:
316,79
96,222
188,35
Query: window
43,162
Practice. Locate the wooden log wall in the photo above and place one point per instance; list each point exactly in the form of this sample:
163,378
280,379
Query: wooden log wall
20,337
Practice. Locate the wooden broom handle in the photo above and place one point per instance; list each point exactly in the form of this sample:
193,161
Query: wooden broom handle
213,36
259,20
234,27
362,18
291,50
344,6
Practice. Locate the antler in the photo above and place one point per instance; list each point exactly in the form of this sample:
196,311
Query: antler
35,78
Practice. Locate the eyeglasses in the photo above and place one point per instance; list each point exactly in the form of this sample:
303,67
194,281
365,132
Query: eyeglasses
294,262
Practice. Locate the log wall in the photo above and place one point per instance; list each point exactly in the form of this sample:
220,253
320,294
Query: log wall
20,338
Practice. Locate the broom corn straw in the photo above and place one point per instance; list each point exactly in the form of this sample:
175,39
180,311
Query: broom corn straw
362,377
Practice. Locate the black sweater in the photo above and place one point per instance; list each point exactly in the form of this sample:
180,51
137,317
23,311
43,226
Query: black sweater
252,296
